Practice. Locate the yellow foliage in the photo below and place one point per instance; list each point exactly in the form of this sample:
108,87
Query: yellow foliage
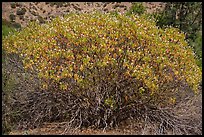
85,45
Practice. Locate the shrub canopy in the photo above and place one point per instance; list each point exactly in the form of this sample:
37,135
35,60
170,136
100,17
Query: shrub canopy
86,48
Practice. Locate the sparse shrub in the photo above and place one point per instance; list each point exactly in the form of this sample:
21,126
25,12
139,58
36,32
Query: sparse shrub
115,6
105,4
34,8
34,13
97,5
136,8
10,83
118,5
105,9
112,66
21,11
13,5
7,86
7,27
67,4
21,17
18,4
58,4
15,87
12,17
41,19
32,19
76,8
88,3
16,25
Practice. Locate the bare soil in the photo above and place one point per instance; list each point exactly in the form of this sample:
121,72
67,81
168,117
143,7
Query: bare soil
130,127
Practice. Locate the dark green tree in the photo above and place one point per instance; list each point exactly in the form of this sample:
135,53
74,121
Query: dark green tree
187,16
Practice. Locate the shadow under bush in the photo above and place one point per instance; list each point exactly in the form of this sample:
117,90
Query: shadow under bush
78,111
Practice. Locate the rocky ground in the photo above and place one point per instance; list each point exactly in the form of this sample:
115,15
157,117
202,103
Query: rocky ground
23,12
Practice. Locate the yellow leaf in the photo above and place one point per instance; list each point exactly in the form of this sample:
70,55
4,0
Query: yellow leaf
141,90
76,77
114,55
173,100
45,86
81,67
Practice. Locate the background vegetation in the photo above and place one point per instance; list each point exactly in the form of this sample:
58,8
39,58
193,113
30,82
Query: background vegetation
7,83
187,16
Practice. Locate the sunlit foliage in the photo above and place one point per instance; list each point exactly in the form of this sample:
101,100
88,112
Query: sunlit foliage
86,48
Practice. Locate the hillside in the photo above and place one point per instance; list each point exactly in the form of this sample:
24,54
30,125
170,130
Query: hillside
23,12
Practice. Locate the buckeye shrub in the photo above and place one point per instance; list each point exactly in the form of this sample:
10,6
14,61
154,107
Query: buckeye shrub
79,52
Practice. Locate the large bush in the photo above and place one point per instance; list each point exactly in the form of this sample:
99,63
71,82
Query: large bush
113,66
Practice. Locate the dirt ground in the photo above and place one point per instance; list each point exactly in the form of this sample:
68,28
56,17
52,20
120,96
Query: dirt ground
58,129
